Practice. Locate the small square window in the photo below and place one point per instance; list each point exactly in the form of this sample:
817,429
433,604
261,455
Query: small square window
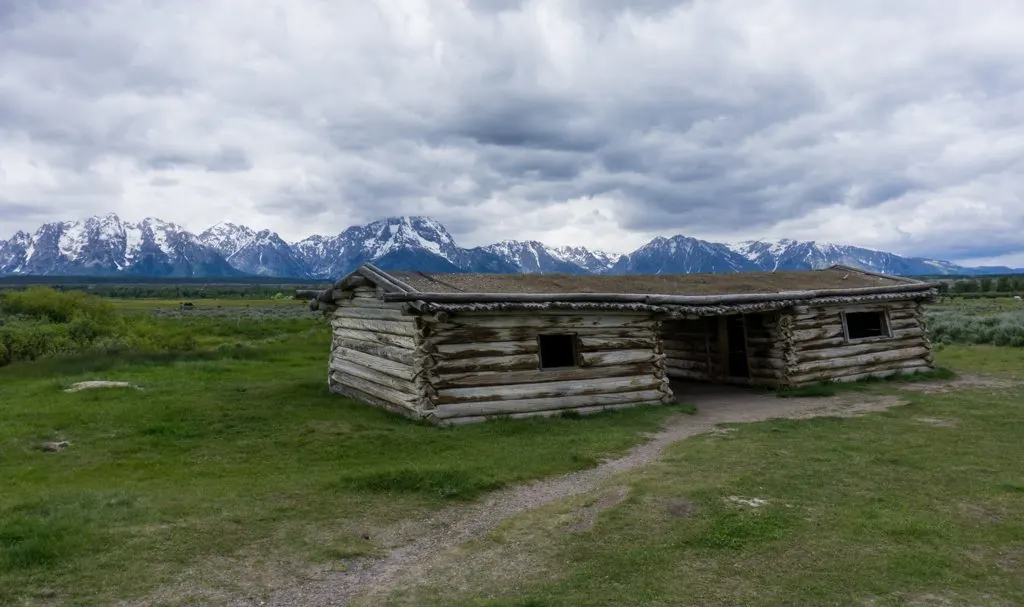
862,325
557,350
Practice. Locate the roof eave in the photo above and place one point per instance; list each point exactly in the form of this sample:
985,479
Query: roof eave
655,299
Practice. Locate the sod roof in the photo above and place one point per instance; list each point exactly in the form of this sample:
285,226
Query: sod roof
660,284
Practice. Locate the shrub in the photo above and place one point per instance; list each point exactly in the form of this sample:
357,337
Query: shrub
961,326
45,303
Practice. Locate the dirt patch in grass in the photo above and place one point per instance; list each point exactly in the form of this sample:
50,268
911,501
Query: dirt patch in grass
964,382
938,422
587,515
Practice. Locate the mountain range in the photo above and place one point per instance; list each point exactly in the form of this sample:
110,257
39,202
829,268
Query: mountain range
107,246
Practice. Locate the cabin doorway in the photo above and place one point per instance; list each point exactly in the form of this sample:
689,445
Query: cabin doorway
733,336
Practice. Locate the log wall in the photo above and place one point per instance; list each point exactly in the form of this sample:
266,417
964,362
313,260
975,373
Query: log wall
488,364
374,353
817,349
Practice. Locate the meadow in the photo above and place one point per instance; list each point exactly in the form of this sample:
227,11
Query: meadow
231,463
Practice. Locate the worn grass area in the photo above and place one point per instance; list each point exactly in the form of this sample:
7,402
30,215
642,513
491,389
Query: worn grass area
920,505
234,453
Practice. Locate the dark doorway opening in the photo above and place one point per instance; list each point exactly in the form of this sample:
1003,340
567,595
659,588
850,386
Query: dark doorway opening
736,343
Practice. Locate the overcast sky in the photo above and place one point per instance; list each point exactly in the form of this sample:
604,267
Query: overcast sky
893,124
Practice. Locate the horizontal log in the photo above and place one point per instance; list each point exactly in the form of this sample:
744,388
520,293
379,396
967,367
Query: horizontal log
368,302
375,390
549,389
399,341
511,362
370,313
376,363
766,363
829,331
405,328
837,348
351,369
600,342
469,419
836,312
501,407
803,310
772,374
675,346
685,356
908,370
478,350
854,373
483,335
549,321
679,363
855,361
393,353
616,357
692,374
905,323
538,377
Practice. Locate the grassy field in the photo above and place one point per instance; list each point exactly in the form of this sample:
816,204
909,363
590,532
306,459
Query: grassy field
921,505
232,461
234,449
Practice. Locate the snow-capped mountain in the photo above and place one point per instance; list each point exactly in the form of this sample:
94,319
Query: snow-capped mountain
789,254
106,245
682,255
393,243
227,237
533,257
262,253
593,261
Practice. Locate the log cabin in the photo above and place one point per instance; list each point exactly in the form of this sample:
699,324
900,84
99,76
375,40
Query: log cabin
454,348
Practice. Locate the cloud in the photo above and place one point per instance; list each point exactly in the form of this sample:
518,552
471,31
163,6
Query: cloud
885,124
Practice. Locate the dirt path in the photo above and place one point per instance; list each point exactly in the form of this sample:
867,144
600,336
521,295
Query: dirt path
418,542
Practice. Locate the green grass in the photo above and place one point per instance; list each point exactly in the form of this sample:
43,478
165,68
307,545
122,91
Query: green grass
237,452
919,505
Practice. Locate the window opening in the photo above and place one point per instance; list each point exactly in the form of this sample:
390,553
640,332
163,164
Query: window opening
557,350
861,325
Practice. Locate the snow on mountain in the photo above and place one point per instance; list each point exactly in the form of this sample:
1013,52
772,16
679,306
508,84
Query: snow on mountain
266,254
106,245
227,238
403,243
681,255
789,254
531,257
593,261
260,253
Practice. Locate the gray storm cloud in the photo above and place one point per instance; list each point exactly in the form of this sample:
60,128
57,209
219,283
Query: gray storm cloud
893,125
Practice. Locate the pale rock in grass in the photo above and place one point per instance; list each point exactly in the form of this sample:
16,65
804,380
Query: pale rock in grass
92,385
753,502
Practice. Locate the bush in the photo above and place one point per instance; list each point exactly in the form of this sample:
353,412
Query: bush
43,322
45,303
956,326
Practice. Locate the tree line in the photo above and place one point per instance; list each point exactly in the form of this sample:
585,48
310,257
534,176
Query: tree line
998,285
